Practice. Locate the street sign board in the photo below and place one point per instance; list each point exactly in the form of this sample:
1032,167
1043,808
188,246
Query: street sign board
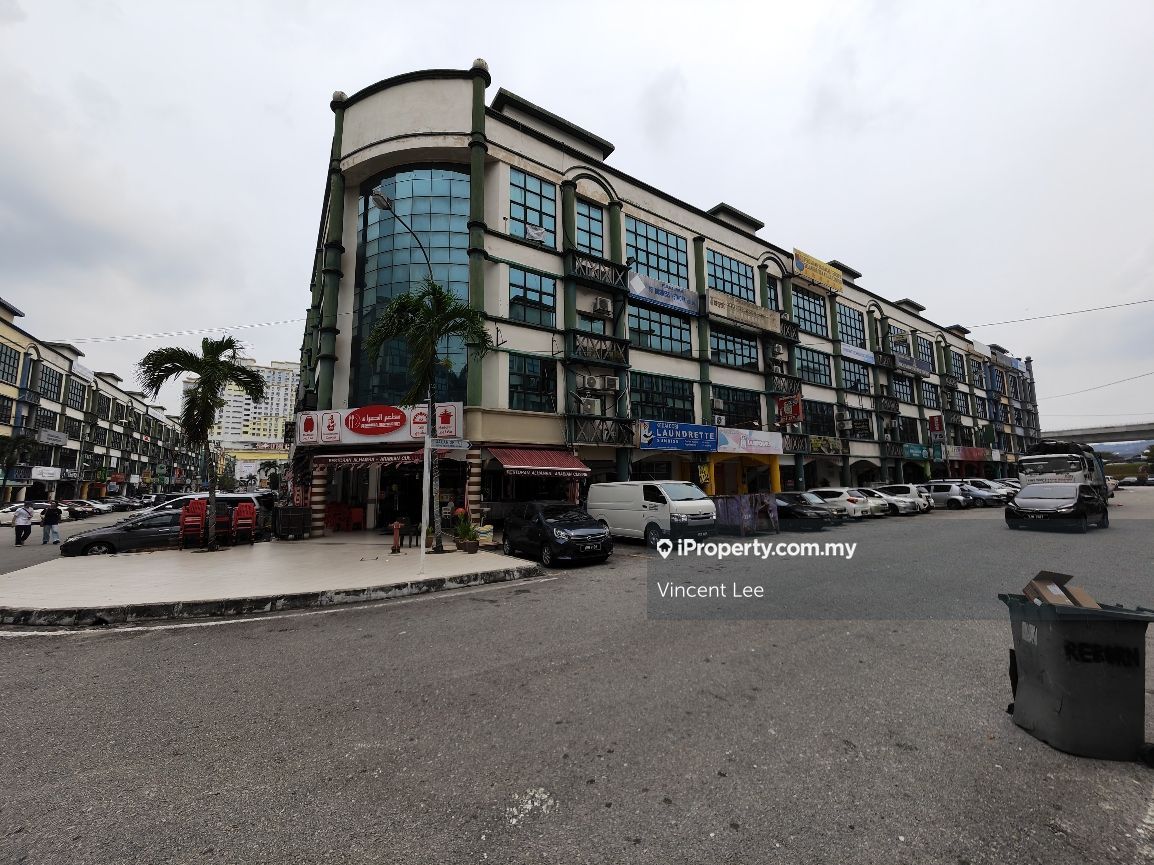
451,444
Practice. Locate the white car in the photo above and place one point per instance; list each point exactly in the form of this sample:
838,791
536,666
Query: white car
915,493
8,512
856,505
894,504
101,507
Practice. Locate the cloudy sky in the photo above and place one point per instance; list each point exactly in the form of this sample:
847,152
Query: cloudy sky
162,163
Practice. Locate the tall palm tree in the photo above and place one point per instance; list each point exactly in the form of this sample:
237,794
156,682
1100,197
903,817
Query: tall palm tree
215,367
11,447
424,319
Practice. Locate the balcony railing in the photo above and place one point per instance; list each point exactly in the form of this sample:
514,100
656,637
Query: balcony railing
598,349
592,430
784,384
795,443
887,404
789,330
885,360
597,271
892,450
26,394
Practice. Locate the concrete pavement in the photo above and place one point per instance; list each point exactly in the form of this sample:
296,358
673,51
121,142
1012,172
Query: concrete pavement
279,575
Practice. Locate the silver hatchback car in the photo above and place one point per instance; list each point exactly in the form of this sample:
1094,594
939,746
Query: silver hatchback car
946,495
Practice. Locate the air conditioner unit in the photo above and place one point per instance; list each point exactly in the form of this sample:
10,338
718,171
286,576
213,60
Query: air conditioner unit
590,406
611,382
602,306
717,404
588,382
719,420
894,424
840,416
845,425
778,350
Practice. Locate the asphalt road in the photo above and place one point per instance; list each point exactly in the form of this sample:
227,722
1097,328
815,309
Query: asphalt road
554,721
33,552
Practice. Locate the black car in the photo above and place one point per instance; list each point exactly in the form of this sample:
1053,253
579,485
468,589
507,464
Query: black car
555,532
804,511
158,531
1074,505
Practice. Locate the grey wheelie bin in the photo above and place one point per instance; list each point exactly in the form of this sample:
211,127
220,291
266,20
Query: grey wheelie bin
1080,681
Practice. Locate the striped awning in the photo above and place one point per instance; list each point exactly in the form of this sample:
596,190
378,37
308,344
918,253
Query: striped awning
539,462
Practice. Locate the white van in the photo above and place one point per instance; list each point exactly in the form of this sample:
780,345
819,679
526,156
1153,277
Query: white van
652,509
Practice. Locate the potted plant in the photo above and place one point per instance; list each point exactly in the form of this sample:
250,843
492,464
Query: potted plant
429,537
467,539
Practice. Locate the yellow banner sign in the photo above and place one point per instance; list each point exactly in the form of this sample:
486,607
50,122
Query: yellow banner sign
816,271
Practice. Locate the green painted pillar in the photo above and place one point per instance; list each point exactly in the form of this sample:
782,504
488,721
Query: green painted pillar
569,243
624,456
616,233
331,271
763,283
702,330
477,151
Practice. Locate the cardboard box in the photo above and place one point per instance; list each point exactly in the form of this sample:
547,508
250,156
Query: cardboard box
1049,587
1080,597
1047,592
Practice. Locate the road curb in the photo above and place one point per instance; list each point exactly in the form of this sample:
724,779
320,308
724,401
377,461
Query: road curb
223,607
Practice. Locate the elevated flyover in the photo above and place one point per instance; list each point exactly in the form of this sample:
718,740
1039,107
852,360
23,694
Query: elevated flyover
1089,435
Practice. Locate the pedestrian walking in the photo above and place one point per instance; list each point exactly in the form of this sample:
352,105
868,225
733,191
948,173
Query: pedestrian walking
50,522
22,520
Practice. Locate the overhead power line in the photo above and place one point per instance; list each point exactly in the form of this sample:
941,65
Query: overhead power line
1097,387
1060,314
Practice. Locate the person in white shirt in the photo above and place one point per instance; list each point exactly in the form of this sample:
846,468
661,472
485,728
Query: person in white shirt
22,520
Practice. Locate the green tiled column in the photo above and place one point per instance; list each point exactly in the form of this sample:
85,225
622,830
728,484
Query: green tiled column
331,271
702,330
616,232
477,151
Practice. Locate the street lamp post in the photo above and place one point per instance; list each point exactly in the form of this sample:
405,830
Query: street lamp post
431,475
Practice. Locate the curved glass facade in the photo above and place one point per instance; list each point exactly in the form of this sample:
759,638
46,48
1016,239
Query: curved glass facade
434,201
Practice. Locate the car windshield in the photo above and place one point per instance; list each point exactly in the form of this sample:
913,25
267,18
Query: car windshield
1049,491
682,492
564,513
1049,465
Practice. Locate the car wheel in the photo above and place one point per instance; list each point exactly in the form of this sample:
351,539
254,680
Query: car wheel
652,535
1083,526
979,503
547,554
100,548
507,547
1104,523
953,505
894,511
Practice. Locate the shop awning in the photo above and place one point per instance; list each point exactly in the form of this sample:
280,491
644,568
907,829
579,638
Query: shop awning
539,463
416,456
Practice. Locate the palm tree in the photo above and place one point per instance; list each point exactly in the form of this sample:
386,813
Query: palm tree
423,319
11,449
215,367
271,470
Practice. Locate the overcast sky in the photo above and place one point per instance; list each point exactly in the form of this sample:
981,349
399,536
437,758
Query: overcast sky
162,163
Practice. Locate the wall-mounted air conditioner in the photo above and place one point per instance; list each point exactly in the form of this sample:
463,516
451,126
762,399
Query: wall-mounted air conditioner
591,406
612,383
717,404
779,350
840,416
601,306
588,382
